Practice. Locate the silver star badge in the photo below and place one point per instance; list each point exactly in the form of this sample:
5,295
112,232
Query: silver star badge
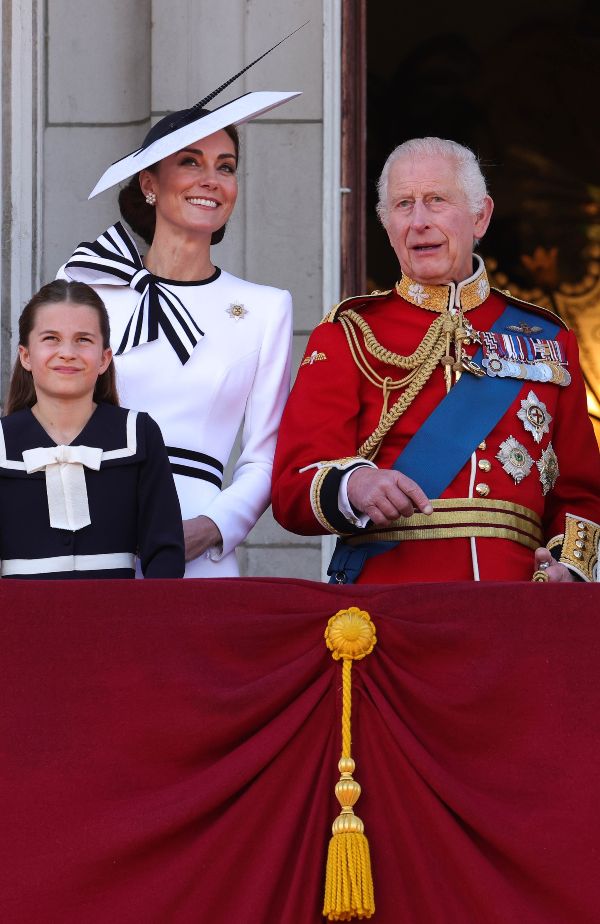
515,459
548,466
237,312
535,416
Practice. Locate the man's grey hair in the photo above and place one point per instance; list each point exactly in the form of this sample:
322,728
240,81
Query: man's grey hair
469,177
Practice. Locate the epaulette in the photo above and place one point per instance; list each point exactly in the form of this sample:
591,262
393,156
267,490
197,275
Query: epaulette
536,309
355,302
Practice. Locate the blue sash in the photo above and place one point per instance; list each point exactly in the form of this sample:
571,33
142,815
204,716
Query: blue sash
445,441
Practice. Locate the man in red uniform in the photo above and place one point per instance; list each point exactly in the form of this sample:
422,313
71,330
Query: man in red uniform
440,429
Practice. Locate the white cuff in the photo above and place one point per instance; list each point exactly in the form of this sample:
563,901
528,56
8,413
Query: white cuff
344,505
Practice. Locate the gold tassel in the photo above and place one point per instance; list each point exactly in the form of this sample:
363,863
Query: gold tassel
350,636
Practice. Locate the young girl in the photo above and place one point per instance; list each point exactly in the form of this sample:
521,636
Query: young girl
85,485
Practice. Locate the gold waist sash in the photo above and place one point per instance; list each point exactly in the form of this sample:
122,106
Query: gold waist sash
461,518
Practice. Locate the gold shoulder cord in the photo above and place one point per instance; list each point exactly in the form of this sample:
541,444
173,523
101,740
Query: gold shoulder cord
420,366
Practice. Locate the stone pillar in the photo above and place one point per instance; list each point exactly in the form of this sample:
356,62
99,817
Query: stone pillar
21,32
98,109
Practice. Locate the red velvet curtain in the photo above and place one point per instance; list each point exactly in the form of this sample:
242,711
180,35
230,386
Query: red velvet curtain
169,751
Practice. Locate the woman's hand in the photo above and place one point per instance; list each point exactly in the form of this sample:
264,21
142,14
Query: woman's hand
555,571
200,534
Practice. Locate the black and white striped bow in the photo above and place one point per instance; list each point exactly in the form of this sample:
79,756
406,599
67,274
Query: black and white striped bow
113,259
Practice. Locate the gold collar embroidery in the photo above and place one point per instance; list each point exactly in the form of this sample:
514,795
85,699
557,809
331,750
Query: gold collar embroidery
467,294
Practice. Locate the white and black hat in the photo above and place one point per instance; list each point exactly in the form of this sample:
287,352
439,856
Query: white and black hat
179,129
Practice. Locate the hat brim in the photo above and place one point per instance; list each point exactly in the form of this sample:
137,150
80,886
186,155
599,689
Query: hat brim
237,111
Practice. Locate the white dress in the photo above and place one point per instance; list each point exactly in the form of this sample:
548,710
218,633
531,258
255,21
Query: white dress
236,379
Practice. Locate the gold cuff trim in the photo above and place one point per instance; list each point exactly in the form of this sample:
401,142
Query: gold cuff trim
323,469
340,464
315,499
580,546
555,541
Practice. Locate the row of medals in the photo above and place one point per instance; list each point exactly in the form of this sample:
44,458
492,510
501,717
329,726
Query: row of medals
493,365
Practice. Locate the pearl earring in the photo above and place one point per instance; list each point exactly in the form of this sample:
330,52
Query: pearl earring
151,198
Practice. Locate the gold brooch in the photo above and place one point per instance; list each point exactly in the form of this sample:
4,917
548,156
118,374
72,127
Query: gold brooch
314,357
237,312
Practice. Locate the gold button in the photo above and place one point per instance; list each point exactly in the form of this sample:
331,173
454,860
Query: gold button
485,465
482,489
482,445
578,554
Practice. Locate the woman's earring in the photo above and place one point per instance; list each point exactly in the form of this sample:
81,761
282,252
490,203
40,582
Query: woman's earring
151,198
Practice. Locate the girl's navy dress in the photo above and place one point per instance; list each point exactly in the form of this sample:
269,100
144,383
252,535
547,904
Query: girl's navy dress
132,502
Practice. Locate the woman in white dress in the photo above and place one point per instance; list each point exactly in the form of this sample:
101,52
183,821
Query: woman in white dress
205,353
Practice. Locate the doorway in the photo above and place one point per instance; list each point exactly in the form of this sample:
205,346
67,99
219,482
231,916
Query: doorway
516,90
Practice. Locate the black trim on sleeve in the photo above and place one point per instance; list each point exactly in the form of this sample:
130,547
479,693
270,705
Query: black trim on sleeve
329,500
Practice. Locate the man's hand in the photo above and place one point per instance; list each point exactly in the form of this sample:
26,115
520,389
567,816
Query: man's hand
200,534
384,495
556,571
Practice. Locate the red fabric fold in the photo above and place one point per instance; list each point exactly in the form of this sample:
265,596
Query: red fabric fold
168,751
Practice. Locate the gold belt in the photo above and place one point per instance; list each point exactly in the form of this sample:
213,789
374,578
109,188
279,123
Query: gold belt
461,518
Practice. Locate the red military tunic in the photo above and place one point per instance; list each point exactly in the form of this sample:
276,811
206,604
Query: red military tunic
335,406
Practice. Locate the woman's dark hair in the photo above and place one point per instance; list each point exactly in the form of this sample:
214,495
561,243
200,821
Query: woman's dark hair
141,217
21,393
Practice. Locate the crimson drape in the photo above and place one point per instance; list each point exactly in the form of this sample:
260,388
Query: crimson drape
168,751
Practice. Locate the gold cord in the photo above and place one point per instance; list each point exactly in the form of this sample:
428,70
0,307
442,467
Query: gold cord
370,447
420,365
387,356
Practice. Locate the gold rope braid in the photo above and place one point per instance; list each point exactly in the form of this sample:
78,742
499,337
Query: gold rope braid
387,383
388,356
371,446
422,362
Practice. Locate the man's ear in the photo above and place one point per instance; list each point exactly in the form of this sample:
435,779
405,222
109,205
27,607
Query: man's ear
482,219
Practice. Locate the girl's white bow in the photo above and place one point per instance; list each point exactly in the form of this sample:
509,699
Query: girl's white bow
65,481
